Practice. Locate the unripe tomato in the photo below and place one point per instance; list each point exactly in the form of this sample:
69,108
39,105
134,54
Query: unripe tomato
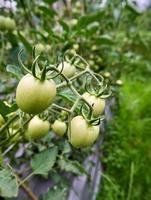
9,23
68,69
75,47
119,82
33,95
40,48
37,128
107,74
97,103
2,22
59,127
82,134
2,121
48,48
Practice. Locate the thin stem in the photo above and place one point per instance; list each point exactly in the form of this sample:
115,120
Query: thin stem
61,108
21,63
75,104
75,91
2,49
33,68
91,73
59,73
8,123
8,149
63,84
77,75
130,182
7,140
28,191
27,178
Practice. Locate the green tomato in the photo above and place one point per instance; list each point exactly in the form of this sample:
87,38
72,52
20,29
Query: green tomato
68,69
59,127
98,104
40,48
9,23
82,134
2,121
2,22
37,128
33,95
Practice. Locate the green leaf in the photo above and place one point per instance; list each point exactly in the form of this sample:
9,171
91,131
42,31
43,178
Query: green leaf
67,95
104,39
6,109
85,20
71,166
64,26
43,162
47,11
55,194
8,184
15,70
50,1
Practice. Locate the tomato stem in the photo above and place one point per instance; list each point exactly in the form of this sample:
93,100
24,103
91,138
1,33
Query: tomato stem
33,67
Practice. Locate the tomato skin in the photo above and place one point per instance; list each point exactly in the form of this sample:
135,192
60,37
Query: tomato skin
6,23
59,127
9,23
2,22
82,134
37,128
97,103
39,48
68,69
33,95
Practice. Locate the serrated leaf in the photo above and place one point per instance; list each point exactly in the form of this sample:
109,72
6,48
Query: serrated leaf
8,184
6,109
55,194
43,162
67,95
71,166
15,70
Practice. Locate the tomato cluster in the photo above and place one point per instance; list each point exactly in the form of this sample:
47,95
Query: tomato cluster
35,94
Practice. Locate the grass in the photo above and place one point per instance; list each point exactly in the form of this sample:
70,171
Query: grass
127,147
